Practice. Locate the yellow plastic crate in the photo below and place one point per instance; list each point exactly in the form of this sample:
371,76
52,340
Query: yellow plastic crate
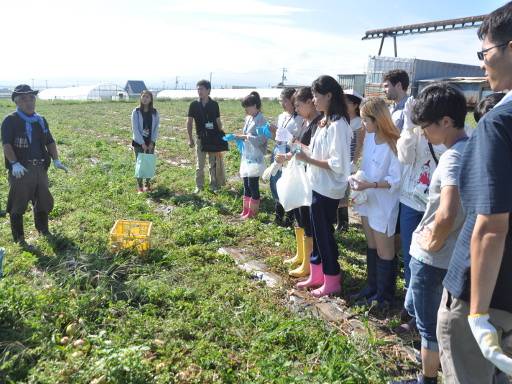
130,234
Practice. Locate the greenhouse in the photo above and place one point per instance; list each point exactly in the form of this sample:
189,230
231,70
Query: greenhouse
98,92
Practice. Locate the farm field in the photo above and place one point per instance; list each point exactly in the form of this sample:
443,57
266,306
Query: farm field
73,312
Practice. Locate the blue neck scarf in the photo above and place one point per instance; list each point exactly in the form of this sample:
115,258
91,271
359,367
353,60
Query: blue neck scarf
29,120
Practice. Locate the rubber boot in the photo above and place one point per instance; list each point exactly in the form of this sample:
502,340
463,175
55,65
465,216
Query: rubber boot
279,214
331,286
304,269
254,207
315,279
296,260
18,234
342,219
245,209
386,282
371,277
41,223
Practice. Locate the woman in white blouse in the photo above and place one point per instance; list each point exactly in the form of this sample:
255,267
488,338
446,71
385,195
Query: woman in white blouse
379,212
328,167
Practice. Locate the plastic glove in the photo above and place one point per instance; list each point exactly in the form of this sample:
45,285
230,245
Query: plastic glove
487,338
59,165
271,171
409,104
18,170
264,130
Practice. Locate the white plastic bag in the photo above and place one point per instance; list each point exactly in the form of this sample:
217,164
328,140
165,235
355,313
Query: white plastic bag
357,197
293,187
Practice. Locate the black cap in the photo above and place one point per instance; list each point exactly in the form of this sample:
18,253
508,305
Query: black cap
23,89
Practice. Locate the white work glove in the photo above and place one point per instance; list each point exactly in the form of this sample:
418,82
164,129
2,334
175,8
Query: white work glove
18,170
59,165
271,171
409,104
487,338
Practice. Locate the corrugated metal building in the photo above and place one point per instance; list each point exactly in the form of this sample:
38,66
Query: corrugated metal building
474,88
353,81
417,69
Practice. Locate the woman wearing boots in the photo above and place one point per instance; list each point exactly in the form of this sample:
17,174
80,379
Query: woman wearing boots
353,100
288,124
380,211
299,264
328,167
252,163
145,123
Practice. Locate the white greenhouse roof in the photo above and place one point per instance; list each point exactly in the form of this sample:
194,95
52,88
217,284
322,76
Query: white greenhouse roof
85,92
235,94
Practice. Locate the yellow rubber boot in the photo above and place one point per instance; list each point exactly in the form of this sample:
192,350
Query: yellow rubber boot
303,270
296,260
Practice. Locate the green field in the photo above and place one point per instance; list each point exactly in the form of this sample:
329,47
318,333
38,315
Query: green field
184,313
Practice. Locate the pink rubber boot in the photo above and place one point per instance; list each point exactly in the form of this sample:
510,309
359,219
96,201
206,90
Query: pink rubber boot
254,207
315,279
332,285
245,210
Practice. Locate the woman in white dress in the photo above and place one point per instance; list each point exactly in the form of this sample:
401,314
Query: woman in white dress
379,212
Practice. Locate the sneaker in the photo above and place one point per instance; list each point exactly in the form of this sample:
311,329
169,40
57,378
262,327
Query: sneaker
140,190
197,190
406,328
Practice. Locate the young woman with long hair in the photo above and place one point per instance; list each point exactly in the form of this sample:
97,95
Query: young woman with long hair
379,212
145,124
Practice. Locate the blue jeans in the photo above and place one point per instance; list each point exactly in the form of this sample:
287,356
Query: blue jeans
325,250
409,220
280,147
426,288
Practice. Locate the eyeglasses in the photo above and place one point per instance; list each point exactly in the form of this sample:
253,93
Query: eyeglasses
481,53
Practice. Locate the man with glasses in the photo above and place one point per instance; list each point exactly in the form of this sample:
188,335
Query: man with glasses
28,148
475,315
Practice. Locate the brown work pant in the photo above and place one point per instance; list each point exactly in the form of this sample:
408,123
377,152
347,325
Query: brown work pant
31,187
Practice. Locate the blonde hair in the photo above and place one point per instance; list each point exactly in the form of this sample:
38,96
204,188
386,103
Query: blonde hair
376,109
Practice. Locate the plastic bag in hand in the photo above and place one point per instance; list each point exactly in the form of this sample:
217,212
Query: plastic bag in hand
293,187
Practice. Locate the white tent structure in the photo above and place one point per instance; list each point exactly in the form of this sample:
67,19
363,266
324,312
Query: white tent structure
226,94
98,92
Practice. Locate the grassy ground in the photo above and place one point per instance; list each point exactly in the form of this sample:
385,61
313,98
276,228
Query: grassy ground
73,312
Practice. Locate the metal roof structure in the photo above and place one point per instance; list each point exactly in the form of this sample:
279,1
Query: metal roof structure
434,26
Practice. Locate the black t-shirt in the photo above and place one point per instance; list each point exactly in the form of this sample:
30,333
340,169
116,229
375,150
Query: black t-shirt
307,134
14,133
147,123
204,114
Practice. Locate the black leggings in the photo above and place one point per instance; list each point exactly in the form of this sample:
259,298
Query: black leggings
303,217
252,187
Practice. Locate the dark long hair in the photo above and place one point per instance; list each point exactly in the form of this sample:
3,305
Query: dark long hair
337,107
150,106
252,99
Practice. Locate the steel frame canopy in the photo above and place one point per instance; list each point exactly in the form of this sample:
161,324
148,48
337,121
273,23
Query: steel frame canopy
434,26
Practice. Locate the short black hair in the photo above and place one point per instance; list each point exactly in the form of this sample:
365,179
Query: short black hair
486,104
338,106
398,75
204,83
498,25
437,101
252,99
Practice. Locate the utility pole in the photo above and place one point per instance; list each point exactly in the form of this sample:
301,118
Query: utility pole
283,76
211,78
176,84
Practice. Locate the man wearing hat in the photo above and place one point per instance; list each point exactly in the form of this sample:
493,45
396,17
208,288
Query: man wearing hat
28,149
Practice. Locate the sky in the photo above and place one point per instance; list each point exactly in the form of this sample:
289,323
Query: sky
238,42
